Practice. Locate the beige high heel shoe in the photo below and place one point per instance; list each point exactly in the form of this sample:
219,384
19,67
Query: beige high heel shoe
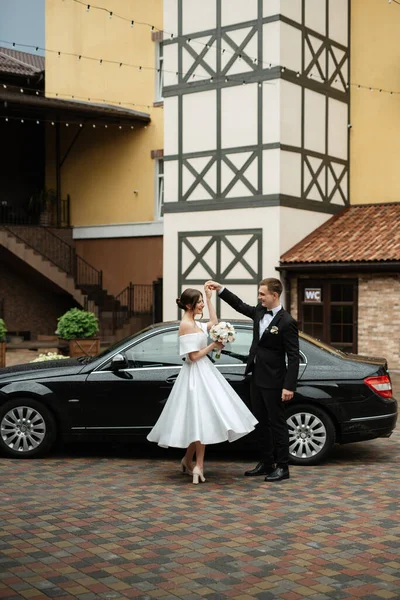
185,467
198,475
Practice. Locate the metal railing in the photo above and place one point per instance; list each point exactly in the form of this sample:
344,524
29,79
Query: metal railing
15,216
135,299
57,251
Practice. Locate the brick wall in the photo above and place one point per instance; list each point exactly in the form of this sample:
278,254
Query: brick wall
379,317
28,304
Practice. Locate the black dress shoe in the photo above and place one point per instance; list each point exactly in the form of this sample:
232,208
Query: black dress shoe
278,474
260,469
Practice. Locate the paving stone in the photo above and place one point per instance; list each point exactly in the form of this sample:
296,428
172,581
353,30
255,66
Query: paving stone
123,524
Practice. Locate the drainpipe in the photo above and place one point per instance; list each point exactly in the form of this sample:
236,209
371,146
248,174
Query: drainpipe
58,176
288,294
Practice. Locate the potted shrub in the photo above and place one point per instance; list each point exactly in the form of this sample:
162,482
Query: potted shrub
79,329
3,331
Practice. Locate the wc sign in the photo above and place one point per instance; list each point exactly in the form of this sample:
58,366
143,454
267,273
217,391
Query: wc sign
312,295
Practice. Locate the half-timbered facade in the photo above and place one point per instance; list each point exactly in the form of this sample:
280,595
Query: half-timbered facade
256,134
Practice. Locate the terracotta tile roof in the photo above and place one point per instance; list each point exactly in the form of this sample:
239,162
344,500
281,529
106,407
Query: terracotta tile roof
20,63
364,233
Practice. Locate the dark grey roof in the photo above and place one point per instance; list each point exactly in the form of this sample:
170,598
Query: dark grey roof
20,63
73,109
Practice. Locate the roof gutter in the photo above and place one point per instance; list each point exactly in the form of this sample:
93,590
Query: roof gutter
340,266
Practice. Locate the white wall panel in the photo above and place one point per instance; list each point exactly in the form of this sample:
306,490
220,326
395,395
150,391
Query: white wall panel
271,112
198,16
271,48
271,171
171,17
290,113
289,8
290,47
337,128
296,224
315,17
314,121
239,116
339,21
171,126
170,64
290,173
237,11
199,121
171,179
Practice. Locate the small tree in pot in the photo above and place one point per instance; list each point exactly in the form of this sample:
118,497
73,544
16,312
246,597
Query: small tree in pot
3,331
79,328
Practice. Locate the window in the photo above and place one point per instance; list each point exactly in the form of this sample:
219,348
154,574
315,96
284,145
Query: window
160,350
159,71
332,316
159,187
236,353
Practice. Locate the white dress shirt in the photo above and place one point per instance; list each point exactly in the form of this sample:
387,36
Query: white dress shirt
266,320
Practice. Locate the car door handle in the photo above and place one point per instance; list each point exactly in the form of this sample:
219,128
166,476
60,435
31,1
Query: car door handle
171,379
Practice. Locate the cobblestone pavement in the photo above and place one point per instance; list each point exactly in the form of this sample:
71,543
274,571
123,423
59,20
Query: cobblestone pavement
110,522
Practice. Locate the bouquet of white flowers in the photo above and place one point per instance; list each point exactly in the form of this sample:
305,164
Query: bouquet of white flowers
222,332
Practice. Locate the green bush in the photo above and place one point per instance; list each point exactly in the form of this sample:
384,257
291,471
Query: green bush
77,323
3,331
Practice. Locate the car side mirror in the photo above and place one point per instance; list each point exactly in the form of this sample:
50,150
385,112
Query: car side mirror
119,362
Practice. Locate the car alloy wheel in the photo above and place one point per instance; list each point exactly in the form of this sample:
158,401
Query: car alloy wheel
311,434
26,428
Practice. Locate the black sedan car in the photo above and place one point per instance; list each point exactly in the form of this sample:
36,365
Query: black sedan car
119,395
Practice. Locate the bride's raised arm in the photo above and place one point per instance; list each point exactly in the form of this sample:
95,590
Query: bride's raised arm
211,309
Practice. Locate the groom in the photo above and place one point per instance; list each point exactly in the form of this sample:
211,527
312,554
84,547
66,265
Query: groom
275,335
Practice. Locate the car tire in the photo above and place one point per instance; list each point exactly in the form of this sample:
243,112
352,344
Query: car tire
27,428
311,434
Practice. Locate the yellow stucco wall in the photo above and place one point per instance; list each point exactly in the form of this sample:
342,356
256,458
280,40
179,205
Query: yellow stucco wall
375,117
105,166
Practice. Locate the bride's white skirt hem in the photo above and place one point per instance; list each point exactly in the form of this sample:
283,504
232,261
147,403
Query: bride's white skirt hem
230,436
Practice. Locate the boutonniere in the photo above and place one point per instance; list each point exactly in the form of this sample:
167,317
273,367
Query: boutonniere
274,329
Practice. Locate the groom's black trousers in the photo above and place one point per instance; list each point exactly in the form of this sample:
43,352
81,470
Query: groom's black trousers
272,431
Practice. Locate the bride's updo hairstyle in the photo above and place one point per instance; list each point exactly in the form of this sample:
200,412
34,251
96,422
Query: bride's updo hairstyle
189,297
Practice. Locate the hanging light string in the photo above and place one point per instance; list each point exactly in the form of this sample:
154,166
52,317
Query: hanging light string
68,123
395,1
115,15
60,96
187,39
101,61
229,79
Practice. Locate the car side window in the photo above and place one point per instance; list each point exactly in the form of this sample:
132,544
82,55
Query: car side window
237,352
159,350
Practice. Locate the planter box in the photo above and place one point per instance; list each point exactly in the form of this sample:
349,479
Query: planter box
84,347
2,354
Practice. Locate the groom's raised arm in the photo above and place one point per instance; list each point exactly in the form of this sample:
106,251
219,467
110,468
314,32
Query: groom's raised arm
232,300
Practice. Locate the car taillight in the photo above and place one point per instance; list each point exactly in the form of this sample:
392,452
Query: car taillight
380,385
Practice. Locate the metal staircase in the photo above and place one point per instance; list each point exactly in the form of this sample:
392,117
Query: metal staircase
113,312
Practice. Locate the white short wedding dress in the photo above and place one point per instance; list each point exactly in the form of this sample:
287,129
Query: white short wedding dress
202,406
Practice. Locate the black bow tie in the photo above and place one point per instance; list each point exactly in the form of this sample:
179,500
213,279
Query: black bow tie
268,312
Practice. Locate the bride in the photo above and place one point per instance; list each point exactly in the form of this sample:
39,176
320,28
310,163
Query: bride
202,407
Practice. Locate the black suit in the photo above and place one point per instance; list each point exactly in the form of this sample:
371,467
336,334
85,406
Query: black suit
270,375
